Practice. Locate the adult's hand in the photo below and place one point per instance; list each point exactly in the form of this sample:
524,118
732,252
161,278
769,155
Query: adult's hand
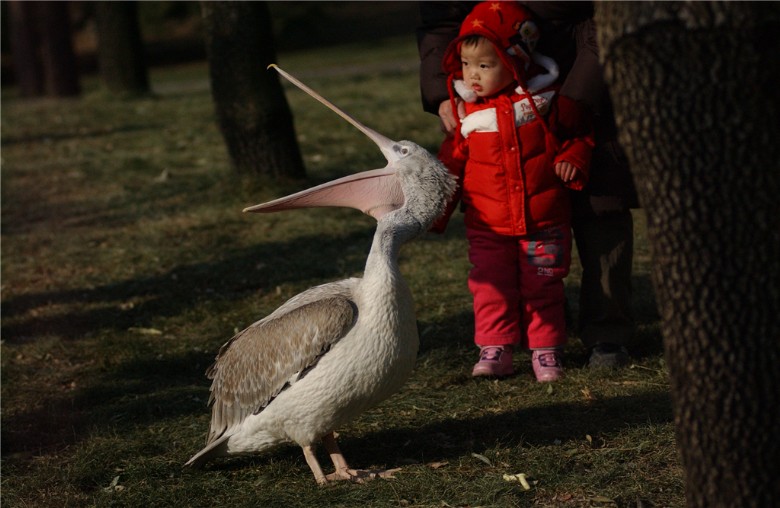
447,118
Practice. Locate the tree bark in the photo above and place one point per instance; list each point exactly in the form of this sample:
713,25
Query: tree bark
25,45
44,60
61,75
252,111
120,49
694,87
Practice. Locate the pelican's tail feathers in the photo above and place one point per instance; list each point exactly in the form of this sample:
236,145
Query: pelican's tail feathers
217,448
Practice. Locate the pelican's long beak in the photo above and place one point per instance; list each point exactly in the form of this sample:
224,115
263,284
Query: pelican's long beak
384,143
375,192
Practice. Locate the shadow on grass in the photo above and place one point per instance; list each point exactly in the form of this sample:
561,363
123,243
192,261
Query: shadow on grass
169,294
534,426
451,438
148,390
135,393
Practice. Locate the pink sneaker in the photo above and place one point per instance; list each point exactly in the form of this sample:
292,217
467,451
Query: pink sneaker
548,365
494,361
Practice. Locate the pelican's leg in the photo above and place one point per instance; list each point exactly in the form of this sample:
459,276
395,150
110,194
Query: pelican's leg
342,469
314,465
343,472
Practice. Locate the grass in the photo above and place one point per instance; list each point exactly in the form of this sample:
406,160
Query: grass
126,263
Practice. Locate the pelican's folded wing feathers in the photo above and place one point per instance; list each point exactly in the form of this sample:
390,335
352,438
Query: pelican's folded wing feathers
256,364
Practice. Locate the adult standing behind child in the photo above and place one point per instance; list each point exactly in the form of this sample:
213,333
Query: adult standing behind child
516,150
602,221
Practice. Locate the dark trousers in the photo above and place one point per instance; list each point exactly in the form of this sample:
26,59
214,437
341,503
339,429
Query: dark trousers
604,235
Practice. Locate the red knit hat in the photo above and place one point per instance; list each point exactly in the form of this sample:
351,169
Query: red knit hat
508,26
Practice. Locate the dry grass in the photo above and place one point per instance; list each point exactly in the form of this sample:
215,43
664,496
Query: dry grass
126,263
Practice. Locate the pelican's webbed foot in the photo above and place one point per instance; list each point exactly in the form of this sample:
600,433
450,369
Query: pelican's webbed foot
361,475
343,471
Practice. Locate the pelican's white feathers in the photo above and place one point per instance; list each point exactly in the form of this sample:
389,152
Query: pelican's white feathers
335,350
259,362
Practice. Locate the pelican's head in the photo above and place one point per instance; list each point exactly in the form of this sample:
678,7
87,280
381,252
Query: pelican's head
413,180
426,184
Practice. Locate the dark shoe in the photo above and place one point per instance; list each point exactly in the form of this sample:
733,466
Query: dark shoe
494,361
609,356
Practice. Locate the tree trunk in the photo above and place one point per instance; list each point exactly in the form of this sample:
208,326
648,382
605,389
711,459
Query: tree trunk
25,45
43,51
120,48
695,92
252,111
59,61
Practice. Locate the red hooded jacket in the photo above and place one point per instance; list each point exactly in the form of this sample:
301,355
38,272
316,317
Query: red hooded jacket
506,147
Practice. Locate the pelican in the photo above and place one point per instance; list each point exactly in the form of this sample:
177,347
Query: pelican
335,350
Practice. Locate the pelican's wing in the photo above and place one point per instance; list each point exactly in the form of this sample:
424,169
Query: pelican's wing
256,364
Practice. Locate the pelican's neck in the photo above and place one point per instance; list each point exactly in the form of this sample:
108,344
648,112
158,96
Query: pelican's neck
385,298
383,258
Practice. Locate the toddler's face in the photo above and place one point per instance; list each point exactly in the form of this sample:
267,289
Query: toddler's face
483,71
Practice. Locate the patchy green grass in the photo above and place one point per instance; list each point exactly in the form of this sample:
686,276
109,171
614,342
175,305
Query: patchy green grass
126,263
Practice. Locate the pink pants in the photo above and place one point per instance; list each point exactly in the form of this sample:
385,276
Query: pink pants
517,284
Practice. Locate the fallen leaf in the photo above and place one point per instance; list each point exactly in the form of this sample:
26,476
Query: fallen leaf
114,486
163,177
437,465
520,478
482,458
144,331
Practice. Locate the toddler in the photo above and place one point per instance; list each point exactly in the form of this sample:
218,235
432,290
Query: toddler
518,146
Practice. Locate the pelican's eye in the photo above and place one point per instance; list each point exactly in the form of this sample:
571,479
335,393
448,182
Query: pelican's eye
403,150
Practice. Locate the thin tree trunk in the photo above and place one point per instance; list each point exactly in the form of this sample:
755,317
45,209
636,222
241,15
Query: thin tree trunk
120,49
695,92
61,76
252,111
25,47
